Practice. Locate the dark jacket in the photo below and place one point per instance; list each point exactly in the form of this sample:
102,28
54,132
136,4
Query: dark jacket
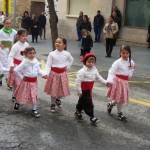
87,42
85,25
98,21
79,20
42,20
26,22
34,26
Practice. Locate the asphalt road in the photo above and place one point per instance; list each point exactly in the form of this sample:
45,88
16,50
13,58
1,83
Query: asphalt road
61,131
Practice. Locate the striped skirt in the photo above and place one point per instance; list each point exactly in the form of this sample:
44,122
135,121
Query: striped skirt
57,84
119,91
26,93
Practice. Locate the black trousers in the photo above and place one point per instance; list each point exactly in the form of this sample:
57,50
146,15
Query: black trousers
85,103
109,46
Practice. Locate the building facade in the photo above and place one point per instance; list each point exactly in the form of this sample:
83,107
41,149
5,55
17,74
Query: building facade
135,17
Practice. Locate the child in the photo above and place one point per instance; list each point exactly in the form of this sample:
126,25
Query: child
27,71
84,82
15,58
87,42
7,36
121,70
58,62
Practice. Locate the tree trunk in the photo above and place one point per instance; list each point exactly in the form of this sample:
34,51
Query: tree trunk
53,22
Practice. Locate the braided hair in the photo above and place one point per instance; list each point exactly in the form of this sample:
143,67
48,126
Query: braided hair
127,48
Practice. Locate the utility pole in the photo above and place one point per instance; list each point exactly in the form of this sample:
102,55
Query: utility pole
14,13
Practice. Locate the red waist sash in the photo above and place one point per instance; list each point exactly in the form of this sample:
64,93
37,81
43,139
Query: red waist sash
58,70
122,77
87,85
17,62
29,79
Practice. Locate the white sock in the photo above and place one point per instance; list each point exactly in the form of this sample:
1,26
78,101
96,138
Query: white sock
34,106
53,100
119,107
113,102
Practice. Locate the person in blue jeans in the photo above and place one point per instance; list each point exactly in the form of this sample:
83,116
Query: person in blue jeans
98,25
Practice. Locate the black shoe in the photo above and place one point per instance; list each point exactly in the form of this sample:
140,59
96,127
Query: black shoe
78,40
106,56
78,115
121,117
109,107
10,88
94,120
16,107
35,114
52,108
1,83
58,103
13,99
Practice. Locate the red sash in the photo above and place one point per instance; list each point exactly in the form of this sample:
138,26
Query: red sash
17,62
29,79
87,85
58,70
122,77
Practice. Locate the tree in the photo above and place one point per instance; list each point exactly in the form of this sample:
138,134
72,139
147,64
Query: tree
53,21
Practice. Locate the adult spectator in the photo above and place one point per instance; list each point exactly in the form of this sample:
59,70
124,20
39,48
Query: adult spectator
98,25
42,23
85,24
118,21
2,17
26,21
115,8
34,28
148,36
110,29
79,20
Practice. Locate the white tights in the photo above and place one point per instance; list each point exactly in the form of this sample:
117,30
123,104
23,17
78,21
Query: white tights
53,99
119,106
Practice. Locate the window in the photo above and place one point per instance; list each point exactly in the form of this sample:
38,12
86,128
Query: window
75,6
137,13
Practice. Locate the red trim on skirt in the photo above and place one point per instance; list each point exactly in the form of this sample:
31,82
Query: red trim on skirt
29,79
17,62
122,77
58,70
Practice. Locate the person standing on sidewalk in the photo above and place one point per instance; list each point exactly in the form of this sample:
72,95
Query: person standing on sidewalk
119,74
87,42
28,71
79,20
98,24
42,25
148,36
15,58
84,83
58,62
110,29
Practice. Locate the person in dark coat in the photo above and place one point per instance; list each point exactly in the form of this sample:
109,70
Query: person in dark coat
148,38
79,20
34,28
87,42
98,25
26,21
85,24
42,23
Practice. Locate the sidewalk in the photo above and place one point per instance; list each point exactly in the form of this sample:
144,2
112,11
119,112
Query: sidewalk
140,55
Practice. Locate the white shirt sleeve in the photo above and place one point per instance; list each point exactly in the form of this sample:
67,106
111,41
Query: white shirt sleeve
79,79
11,56
18,70
99,78
3,69
48,64
112,72
70,61
131,69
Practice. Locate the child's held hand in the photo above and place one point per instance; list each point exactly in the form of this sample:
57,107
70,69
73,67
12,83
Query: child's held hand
79,94
45,77
11,69
108,84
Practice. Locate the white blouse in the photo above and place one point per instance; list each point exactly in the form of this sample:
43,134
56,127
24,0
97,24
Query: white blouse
16,52
59,59
86,74
121,67
28,68
3,69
